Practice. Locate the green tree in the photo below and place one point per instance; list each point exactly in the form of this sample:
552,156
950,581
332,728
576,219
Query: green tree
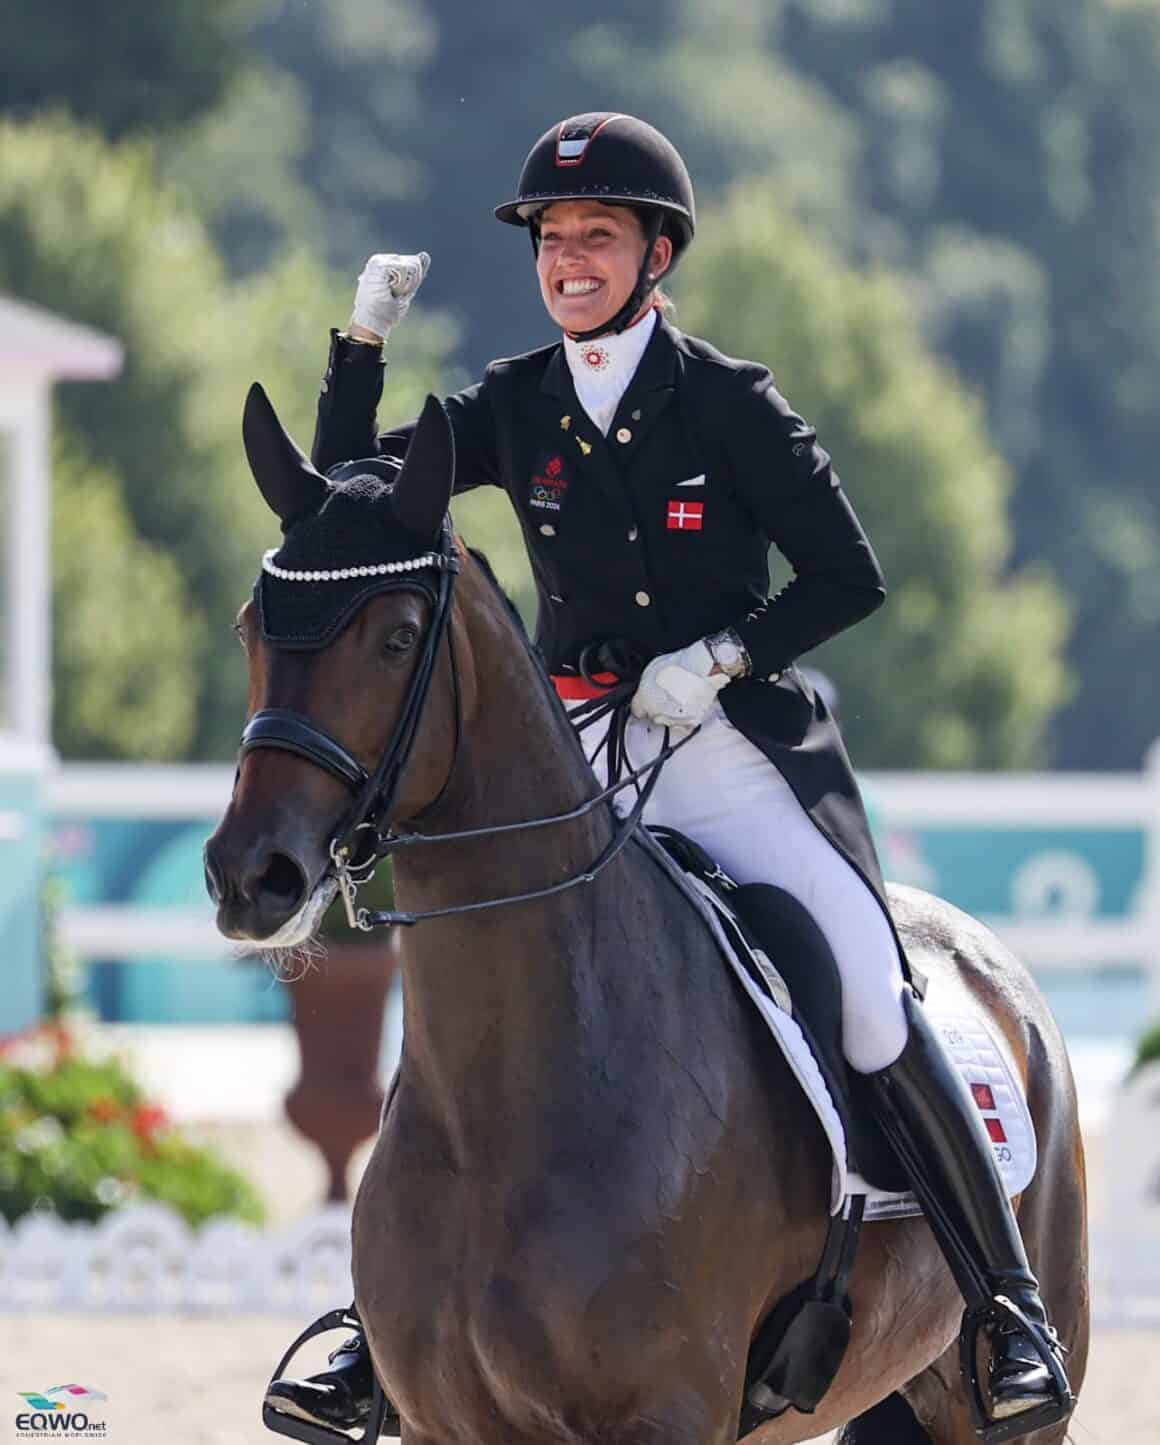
136,66
962,667
419,115
1001,157
124,638
85,230
1009,161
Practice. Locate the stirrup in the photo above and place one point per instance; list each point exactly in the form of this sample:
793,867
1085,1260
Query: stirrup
1002,1309
317,1434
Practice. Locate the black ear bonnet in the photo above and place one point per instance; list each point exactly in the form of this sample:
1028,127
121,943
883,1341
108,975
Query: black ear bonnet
356,541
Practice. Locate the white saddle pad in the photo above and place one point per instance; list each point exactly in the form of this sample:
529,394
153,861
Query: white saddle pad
984,1065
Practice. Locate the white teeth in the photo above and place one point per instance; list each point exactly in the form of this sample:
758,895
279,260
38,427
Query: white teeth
579,288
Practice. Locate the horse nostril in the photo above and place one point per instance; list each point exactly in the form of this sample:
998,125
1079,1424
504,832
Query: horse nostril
282,880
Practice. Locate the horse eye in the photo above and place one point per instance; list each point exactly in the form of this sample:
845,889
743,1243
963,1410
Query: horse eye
402,639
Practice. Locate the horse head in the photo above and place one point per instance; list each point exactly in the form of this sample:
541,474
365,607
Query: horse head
345,637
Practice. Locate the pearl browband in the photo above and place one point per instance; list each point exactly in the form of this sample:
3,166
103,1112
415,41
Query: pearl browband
342,574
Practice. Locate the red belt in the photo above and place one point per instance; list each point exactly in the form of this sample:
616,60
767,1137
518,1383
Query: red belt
572,688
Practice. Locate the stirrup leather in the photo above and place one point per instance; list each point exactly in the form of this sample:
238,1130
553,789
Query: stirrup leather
987,1315
314,1433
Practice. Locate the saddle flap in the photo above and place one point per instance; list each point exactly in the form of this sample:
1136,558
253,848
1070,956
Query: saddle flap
781,958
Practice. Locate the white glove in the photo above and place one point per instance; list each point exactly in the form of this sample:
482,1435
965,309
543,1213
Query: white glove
386,288
676,690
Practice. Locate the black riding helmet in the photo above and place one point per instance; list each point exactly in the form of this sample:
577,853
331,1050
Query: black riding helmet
619,160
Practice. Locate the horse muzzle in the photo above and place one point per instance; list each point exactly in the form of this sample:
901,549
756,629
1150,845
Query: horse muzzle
261,887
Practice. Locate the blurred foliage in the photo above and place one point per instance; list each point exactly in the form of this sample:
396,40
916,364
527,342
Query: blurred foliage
1001,157
155,466
1010,167
63,977
976,655
138,65
238,169
358,65
78,1138
125,639
1148,1049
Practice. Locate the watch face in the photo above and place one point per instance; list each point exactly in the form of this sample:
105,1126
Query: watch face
728,654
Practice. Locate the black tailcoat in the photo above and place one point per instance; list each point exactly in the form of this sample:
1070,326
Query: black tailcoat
659,533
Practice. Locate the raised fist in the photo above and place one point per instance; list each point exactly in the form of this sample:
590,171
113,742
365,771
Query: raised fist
385,290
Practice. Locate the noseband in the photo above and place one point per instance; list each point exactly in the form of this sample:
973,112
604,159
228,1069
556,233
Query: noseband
353,862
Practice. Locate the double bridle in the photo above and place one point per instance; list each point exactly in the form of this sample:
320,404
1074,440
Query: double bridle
359,841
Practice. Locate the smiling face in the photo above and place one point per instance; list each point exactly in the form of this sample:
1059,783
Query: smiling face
589,259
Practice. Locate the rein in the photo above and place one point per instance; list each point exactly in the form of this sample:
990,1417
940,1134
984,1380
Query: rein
361,918
287,731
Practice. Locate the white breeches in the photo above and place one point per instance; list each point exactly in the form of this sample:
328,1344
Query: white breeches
729,798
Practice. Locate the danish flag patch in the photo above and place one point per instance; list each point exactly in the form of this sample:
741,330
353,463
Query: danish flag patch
684,516
984,1097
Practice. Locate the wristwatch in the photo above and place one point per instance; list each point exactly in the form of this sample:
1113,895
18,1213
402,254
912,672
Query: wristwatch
728,652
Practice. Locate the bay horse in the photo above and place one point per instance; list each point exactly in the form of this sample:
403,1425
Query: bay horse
595,1178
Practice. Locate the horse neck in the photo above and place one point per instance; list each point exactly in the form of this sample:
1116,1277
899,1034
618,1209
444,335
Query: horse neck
514,984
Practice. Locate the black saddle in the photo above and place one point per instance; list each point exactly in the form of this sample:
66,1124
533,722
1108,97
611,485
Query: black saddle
772,920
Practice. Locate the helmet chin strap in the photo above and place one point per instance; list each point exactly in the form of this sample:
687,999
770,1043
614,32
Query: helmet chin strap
645,281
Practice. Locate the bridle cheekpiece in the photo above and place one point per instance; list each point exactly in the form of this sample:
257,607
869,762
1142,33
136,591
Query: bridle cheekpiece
288,731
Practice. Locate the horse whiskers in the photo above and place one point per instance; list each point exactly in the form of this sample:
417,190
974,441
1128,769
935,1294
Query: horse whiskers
297,942
290,964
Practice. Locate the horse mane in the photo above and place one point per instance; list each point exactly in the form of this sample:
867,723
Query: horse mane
534,654
481,559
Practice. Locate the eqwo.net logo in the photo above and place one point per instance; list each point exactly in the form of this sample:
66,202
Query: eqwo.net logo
65,1411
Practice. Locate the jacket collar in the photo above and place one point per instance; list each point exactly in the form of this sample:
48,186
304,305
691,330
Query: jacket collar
657,369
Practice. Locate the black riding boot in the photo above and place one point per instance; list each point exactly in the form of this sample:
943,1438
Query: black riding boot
337,1399
927,1113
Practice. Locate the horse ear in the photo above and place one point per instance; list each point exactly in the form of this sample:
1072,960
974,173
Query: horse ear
285,475
423,491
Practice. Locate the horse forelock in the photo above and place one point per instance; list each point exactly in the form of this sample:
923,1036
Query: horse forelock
355,515
362,486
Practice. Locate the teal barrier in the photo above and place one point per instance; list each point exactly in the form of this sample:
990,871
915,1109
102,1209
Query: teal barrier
1064,866
155,863
23,768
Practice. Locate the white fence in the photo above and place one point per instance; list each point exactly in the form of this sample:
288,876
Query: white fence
1068,934
145,1258
1052,919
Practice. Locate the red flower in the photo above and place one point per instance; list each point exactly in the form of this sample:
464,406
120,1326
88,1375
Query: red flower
554,467
148,1120
104,1110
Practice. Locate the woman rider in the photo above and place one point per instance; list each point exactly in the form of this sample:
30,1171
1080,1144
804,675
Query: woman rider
650,474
